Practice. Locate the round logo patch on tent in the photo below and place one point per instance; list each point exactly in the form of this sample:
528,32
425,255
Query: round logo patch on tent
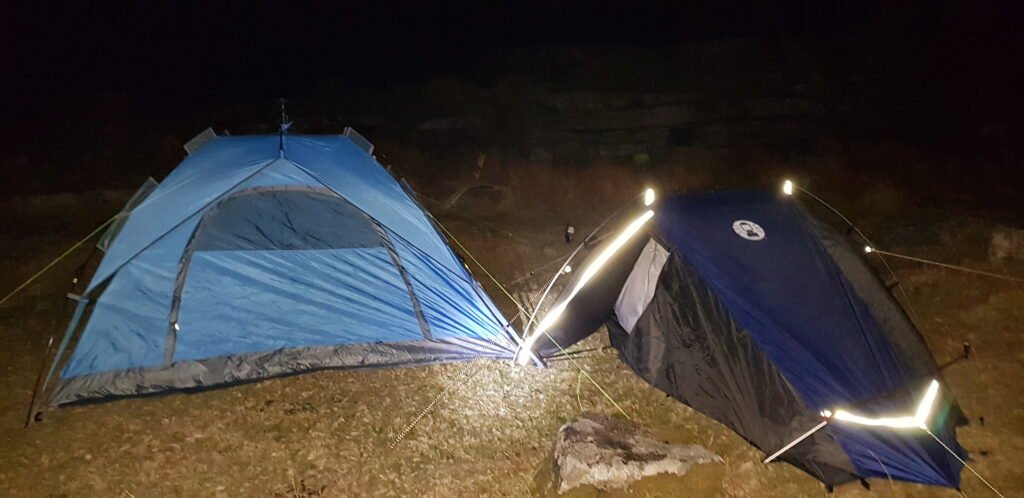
748,230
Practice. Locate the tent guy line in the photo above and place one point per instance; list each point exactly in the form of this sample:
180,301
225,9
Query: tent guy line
871,249
522,310
519,306
429,406
56,260
964,463
788,188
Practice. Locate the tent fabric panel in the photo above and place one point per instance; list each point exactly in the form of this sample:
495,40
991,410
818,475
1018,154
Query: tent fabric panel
896,325
594,303
141,279
640,285
348,170
235,368
453,307
907,455
914,352
688,345
284,218
127,326
137,198
788,292
792,298
199,179
135,306
254,301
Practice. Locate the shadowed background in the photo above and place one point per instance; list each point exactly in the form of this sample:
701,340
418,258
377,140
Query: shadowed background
885,102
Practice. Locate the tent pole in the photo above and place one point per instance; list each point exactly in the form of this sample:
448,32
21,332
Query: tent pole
39,385
907,305
72,325
796,441
590,239
39,380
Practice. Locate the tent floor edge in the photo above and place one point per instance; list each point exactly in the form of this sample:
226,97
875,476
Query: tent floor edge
225,371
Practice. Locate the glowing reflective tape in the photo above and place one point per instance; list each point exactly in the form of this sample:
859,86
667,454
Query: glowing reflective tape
918,420
894,422
924,409
588,274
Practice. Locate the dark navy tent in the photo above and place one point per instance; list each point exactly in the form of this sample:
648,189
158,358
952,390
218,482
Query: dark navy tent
751,311
261,256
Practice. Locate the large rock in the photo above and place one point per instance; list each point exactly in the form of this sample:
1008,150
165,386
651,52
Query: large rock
608,453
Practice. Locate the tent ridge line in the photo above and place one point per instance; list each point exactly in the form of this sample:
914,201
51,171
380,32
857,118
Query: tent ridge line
94,285
319,180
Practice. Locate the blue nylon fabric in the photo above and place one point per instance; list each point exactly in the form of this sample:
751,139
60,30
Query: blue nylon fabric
247,297
199,179
910,455
802,312
332,159
128,325
254,301
281,220
366,184
453,307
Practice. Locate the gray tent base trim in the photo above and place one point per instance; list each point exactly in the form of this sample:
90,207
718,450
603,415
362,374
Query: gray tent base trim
233,369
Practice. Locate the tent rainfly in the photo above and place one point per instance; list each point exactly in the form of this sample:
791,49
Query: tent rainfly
261,256
749,310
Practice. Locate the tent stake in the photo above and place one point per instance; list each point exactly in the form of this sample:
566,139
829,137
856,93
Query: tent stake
796,441
39,379
39,385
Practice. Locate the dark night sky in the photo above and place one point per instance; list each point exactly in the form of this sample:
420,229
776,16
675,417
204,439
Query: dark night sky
243,49
950,68
218,52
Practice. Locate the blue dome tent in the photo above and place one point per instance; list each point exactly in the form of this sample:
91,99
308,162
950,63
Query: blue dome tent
261,256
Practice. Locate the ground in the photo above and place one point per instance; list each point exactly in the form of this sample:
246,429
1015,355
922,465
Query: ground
330,433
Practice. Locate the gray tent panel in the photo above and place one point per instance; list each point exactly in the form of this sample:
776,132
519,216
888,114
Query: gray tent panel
640,286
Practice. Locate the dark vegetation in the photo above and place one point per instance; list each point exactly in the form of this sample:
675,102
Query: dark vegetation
847,119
